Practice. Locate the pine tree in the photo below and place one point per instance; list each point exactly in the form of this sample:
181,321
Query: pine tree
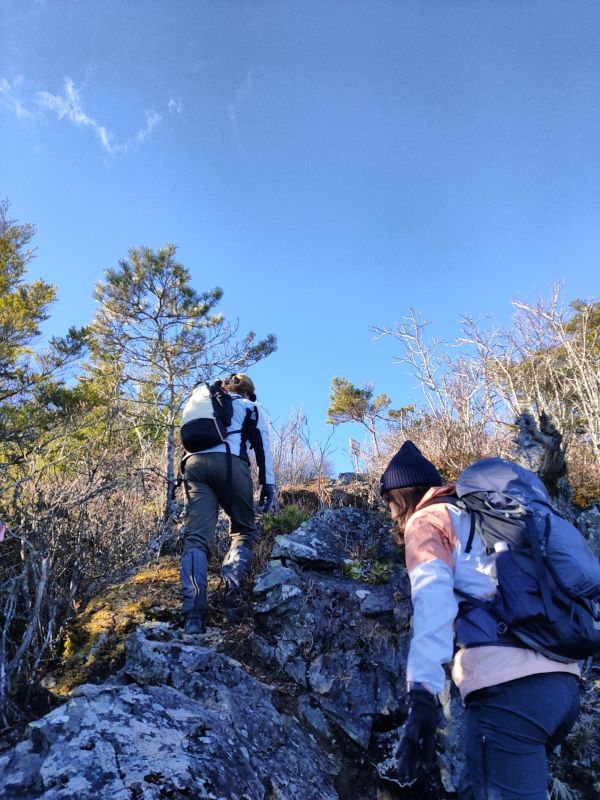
27,376
348,403
23,306
155,336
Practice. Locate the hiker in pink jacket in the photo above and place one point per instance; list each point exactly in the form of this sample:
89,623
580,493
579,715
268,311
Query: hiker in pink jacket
519,703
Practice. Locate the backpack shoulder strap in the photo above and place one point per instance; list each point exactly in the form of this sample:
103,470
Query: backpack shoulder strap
251,417
449,499
249,422
533,540
453,500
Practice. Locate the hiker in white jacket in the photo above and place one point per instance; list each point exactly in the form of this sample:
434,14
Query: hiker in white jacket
220,476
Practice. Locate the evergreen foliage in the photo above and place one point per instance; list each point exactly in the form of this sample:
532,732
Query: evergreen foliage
285,521
349,403
153,338
30,380
88,459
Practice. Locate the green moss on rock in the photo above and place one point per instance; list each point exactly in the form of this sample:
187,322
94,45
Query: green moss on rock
93,646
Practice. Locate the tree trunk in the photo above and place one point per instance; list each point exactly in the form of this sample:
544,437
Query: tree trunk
373,431
540,450
170,471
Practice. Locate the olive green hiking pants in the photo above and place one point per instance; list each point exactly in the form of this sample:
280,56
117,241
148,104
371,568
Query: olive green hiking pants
206,488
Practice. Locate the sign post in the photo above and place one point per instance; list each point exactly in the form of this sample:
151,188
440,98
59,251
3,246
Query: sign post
355,450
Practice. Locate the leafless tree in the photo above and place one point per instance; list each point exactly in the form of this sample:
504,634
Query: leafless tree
297,457
75,520
453,425
549,361
474,388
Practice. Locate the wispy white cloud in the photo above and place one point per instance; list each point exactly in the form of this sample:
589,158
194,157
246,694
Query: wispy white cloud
68,106
9,98
240,100
175,105
153,118
241,95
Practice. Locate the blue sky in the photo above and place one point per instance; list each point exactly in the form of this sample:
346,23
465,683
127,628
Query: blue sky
329,164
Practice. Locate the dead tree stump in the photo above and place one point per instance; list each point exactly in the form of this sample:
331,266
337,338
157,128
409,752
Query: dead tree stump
539,448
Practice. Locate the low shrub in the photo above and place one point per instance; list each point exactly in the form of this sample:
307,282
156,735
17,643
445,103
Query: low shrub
284,521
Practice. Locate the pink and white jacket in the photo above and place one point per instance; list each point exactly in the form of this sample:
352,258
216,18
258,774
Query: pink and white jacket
435,539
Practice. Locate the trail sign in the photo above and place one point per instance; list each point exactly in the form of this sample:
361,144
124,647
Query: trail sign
354,447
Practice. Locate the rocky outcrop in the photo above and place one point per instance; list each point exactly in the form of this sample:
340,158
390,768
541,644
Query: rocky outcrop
540,449
180,720
333,613
348,490
341,639
588,522
309,706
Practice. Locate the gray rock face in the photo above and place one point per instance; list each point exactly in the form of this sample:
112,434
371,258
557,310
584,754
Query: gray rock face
331,537
193,723
182,719
588,523
346,478
343,640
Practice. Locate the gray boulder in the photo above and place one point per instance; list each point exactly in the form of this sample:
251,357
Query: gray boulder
181,720
588,522
333,613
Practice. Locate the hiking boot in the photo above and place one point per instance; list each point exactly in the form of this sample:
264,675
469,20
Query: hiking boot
194,626
194,577
235,570
234,607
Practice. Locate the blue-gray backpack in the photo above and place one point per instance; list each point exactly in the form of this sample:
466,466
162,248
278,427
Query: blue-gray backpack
548,596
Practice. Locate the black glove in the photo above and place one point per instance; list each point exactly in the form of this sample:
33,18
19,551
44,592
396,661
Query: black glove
268,497
417,743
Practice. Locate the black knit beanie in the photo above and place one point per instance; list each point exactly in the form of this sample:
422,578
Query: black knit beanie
409,467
